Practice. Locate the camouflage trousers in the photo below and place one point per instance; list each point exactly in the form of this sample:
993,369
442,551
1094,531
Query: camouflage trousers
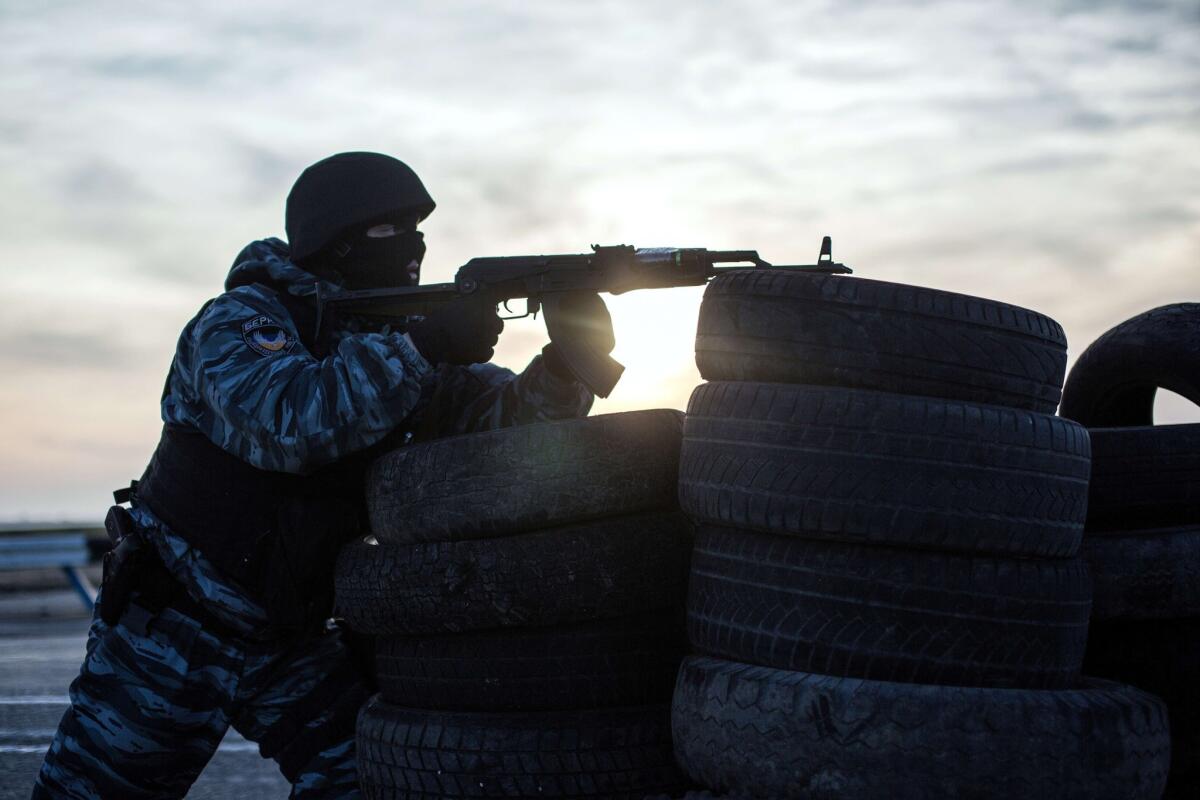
155,696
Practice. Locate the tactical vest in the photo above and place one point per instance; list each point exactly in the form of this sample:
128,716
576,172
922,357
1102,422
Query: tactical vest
276,534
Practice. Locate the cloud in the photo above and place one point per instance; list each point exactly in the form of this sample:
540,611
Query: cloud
43,348
1136,44
169,69
261,168
1044,163
86,184
1181,9
1166,215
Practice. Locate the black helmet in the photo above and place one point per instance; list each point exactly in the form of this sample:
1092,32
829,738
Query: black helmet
349,189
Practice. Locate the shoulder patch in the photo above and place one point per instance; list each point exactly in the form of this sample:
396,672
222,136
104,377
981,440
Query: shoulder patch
267,337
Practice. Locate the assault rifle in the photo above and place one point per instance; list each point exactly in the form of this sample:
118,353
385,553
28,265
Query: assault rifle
543,281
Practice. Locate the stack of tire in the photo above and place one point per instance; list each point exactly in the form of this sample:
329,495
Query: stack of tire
525,588
1142,539
886,599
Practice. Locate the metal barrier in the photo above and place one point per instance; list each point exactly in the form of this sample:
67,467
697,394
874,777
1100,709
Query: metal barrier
41,547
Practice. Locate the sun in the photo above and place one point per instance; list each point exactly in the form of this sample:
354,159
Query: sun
656,337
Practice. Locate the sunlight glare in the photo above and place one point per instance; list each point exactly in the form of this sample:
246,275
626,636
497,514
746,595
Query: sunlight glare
656,334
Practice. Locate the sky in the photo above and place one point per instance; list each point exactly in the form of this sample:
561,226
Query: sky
1039,153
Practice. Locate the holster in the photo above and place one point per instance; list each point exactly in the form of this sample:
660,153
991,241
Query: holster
133,566
122,564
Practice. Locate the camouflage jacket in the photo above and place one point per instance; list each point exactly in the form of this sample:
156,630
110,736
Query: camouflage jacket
243,377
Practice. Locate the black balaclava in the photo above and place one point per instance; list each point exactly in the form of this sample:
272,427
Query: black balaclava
358,261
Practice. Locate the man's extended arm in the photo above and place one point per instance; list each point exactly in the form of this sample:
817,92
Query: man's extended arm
485,397
285,410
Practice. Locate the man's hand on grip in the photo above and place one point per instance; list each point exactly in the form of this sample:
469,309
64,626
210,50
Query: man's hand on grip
461,332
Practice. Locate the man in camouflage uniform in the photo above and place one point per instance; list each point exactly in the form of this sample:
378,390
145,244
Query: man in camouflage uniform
256,483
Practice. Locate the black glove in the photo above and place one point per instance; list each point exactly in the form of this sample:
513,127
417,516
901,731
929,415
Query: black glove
460,332
580,318
556,363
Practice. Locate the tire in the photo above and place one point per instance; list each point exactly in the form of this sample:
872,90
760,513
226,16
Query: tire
1115,379
871,467
618,753
1144,477
888,614
1161,657
595,570
514,480
1151,574
789,327
622,662
767,733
